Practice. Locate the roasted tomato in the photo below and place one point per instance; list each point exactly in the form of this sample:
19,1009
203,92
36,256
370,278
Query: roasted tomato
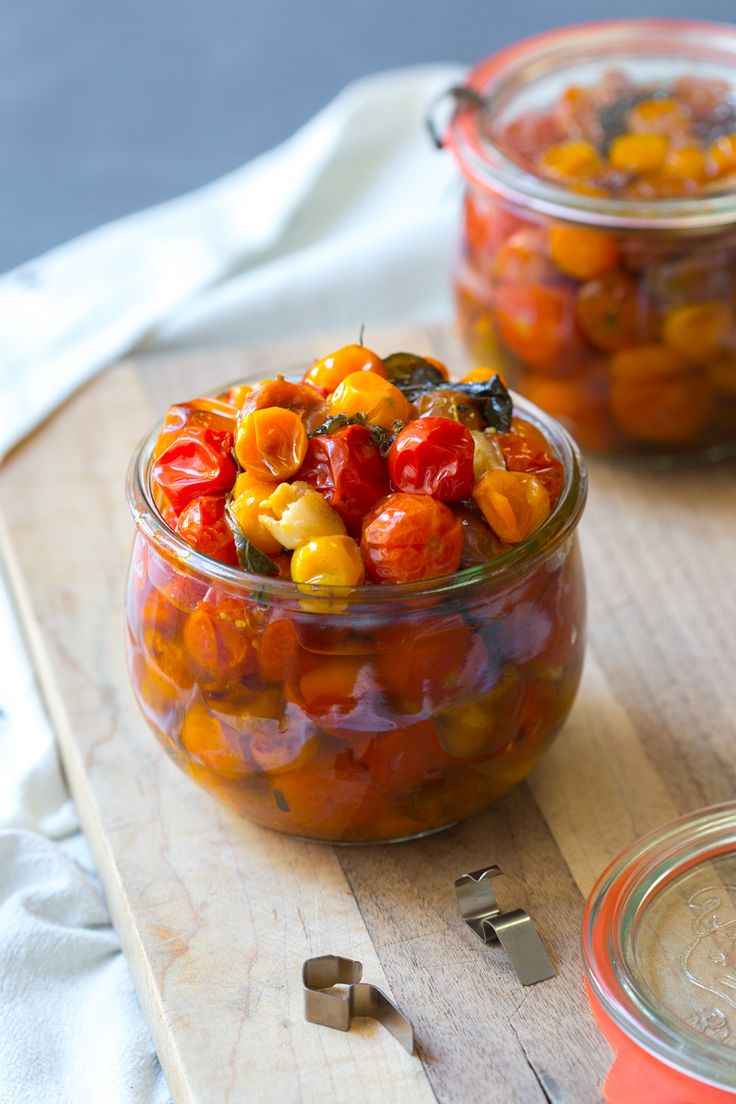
300,398
197,462
522,455
536,322
408,537
328,372
207,413
433,456
203,525
348,469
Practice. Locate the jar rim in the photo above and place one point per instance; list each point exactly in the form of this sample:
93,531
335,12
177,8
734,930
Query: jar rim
560,523
612,913
484,164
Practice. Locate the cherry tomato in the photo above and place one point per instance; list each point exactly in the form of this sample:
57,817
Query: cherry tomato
197,462
536,323
271,442
348,469
479,544
298,397
218,635
521,455
204,738
203,525
524,258
582,253
328,372
371,395
406,759
448,403
513,503
212,413
613,312
433,456
409,537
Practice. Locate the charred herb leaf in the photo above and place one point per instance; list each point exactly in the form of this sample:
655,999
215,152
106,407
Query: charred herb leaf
491,396
381,438
249,557
409,370
281,801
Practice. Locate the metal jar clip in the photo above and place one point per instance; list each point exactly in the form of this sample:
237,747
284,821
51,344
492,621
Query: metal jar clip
361,999
515,931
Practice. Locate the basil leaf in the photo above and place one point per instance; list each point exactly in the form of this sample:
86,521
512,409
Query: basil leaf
337,422
498,406
249,557
410,370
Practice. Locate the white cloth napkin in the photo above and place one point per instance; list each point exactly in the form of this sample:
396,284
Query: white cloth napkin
348,222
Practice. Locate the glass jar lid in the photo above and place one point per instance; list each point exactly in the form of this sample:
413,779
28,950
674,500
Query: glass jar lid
529,77
659,943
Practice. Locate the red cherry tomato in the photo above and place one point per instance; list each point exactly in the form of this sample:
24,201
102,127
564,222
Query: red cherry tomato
203,525
214,413
522,455
198,462
433,456
408,537
348,469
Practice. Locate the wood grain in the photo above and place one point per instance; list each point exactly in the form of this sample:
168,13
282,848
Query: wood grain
216,915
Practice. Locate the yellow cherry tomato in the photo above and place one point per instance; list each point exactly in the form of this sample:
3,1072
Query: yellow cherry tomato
698,331
638,153
271,442
570,162
513,503
722,155
328,561
582,253
328,372
685,163
246,508
367,393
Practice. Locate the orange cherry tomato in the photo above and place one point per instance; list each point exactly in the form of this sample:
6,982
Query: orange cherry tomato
666,409
570,162
406,759
582,253
513,503
328,372
581,404
638,153
646,362
536,323
271,443
483,375
204,738
368,393
524,258
280,654
218,635
613,312
298,397
410,537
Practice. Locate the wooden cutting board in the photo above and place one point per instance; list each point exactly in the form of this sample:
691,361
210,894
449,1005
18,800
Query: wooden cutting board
216,916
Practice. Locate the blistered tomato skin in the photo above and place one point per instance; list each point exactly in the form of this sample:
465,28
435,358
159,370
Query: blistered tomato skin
202,524
270,443
348,469
196,463
369,394
410,537
433,456
328,372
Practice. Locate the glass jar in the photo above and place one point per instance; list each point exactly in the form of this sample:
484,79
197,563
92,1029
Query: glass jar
606,294
380,713
659,943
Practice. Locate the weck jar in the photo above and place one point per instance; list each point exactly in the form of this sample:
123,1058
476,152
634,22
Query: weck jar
597,259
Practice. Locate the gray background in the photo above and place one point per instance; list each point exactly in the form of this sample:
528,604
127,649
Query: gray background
108,107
